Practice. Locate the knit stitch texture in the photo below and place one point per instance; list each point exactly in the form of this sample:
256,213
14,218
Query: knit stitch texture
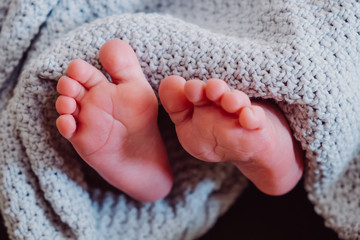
304,55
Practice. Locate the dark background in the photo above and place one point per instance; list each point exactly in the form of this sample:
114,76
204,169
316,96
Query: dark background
257,216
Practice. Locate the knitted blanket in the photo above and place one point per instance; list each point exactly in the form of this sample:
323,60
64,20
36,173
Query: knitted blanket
305,55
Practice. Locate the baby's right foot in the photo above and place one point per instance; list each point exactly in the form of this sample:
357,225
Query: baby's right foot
113,126
214,124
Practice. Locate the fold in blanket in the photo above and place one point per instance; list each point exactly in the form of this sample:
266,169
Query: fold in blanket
304,56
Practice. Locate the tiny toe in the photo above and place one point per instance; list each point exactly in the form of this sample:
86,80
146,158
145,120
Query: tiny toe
86,74
215,88
69,87
66,125
195,92
120,61
173,99
65,105
232,101
252,117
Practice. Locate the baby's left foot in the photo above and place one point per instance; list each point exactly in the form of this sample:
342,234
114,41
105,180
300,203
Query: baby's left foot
216,124
113,125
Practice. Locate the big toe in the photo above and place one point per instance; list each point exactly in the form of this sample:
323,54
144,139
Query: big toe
120,61
173,99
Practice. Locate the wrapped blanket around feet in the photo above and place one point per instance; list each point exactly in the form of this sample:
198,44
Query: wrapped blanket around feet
303,55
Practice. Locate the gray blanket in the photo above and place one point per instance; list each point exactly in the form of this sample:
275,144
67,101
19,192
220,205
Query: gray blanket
305,55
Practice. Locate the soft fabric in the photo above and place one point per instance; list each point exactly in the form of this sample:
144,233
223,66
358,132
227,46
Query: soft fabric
304,55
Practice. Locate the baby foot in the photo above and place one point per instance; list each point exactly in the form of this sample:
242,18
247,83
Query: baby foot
113,126
217,124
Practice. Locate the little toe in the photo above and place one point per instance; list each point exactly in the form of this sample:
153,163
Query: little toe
232,101
252,117
195,92
120,61
84,73
66,125
173,99
65,105
215,89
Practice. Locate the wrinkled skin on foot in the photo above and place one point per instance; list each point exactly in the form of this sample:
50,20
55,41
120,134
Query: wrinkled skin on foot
216,124
113,126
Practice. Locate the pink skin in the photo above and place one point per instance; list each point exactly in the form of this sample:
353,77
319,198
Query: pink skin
216,124
113,126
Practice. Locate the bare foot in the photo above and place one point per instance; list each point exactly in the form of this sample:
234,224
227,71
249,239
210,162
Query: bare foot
113,126
216,124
